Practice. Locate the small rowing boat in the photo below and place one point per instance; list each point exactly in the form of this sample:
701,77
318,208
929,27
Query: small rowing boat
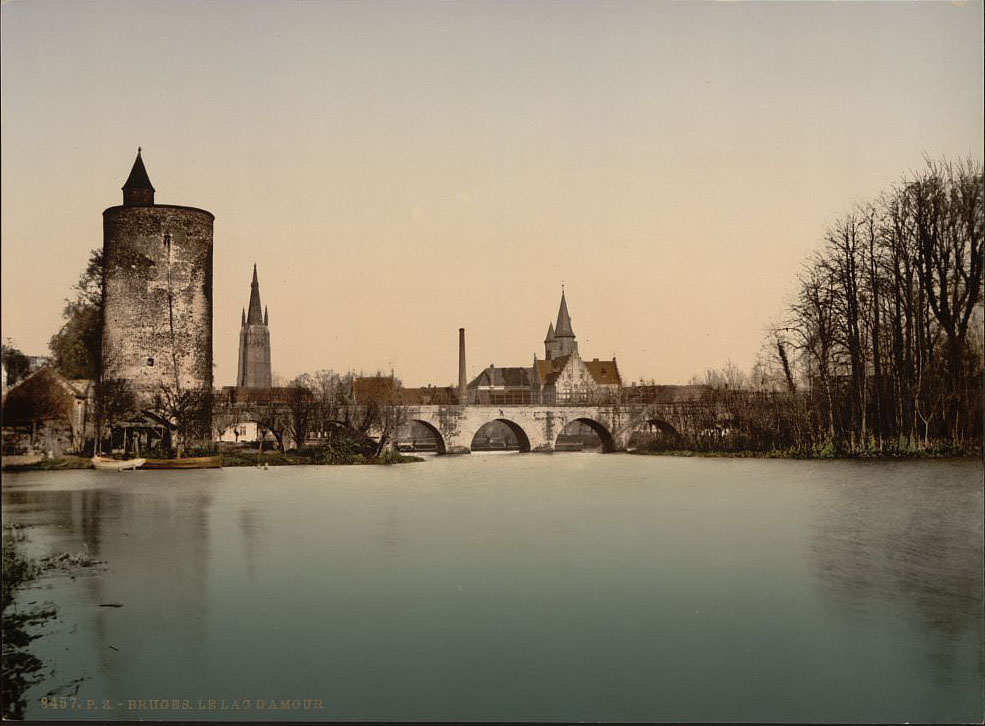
104,463
191,462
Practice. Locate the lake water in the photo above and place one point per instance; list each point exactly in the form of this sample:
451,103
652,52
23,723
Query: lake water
510,586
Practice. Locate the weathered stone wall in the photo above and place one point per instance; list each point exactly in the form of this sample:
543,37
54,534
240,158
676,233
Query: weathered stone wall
158,297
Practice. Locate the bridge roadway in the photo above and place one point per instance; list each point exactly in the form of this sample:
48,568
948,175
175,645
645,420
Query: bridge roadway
537,427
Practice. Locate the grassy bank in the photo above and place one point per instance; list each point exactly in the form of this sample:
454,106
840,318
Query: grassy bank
822,453
309,457
241,458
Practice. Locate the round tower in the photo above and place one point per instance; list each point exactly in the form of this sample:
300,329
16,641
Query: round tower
157,292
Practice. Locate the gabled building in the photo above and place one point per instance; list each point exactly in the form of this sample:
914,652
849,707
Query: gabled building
47,412
563,377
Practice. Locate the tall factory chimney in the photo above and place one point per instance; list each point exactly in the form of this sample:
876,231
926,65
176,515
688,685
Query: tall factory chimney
463,391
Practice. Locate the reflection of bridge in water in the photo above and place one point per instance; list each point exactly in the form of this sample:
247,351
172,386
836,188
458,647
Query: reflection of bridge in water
537,428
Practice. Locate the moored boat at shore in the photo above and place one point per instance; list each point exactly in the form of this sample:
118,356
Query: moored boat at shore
191,462
104,463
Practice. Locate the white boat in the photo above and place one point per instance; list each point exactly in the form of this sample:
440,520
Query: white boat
106,464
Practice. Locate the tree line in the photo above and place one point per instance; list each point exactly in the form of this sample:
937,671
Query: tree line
881,349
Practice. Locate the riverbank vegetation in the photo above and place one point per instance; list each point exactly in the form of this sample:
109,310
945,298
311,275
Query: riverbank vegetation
880,352
21,668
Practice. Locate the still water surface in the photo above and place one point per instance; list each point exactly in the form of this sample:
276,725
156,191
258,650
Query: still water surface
492,587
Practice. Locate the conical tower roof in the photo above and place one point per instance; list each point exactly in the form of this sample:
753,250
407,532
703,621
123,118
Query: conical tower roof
550,333
563,327
137,190
138,178
255,314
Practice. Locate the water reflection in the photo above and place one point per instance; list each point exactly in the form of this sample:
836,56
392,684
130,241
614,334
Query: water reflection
903,544
527,588
252,528
145,607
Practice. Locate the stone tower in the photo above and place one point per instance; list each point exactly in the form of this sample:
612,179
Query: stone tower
560,340
254,343
157,292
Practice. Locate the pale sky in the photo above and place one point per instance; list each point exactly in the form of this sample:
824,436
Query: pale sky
402,169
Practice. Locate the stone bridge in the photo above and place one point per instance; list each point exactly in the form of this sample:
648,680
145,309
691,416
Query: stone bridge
537,427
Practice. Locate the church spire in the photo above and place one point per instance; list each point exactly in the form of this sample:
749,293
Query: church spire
137,189
563,327
255,314
550,333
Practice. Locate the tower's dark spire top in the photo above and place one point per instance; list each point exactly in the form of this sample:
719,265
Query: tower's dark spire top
137,190
550,333
563,327
266,318
255,314
244,317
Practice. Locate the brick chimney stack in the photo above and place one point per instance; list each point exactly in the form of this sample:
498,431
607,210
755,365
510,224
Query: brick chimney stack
463,391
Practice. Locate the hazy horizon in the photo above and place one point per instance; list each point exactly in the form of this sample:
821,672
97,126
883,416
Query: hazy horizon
399,170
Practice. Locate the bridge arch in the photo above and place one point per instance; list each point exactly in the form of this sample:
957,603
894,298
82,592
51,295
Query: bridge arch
654,434
521,436
439,440
600,430
657,424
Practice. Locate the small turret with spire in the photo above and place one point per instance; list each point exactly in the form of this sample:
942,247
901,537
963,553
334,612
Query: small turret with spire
550,342
137,190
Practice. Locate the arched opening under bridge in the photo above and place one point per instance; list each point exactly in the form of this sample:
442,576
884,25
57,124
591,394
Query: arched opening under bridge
654,435
585,434
500,434
420,436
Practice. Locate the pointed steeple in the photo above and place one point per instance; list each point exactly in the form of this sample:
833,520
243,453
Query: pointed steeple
550,333
137,190
255,315
266,319
563,327
244,317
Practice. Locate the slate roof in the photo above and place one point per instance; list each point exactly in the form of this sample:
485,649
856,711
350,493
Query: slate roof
563,327
509,377
138,178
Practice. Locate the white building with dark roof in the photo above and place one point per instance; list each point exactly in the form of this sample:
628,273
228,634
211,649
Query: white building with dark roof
562,377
